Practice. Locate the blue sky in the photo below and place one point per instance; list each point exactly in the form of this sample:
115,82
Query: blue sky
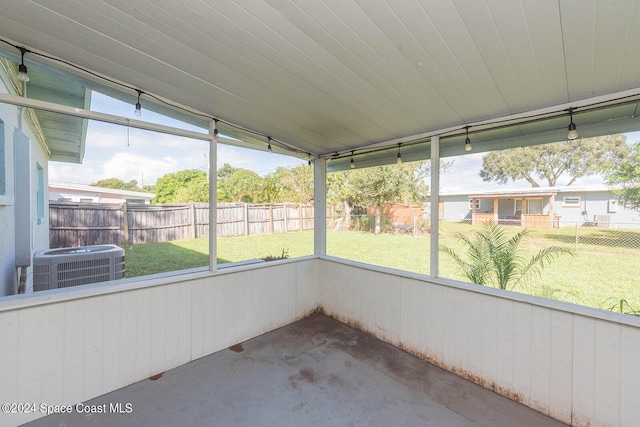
114,151
464,175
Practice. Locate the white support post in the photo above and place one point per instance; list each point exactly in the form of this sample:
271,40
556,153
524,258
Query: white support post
319,207
213,203
435,205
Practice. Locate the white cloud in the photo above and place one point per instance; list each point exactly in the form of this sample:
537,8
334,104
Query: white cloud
112,151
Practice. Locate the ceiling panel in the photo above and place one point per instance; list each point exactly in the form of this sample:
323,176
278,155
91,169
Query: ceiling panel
337,75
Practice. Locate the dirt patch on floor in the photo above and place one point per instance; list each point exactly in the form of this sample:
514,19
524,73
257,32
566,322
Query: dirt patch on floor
238,348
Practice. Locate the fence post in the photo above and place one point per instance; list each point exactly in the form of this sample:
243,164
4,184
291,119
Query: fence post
415,226
125,223
286,217
270,218
300,217
194,223
246,219
333,217
576,244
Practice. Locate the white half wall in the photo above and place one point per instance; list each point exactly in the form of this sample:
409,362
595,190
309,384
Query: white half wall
575,364
71,345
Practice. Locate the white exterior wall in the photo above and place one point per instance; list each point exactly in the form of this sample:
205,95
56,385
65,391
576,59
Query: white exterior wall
70,345
8,280
39,225
456,208
9,115
576,364
76,197
596,203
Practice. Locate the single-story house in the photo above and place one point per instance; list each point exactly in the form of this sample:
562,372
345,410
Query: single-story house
64,192
541,207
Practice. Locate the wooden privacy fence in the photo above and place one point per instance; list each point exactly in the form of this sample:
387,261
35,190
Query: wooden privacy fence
82,224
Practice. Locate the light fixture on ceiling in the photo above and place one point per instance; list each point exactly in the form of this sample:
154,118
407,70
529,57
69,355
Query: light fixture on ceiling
138,111
23,76
215,129
269,149
573,132
399,156
467,141
353,164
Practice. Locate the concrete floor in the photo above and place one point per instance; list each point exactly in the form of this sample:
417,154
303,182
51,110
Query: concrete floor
315,372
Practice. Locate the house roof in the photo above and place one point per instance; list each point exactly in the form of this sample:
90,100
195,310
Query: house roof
329,77
529,192
64,135
90,188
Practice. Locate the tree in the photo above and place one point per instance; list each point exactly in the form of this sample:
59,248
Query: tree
118,184
242,185
225,172
196,191
495,259
340,193
378,185
626,178
375,186
550,162
294,184
168,185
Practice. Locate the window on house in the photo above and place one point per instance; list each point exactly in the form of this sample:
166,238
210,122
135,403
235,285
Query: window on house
475,202
534,206
571,202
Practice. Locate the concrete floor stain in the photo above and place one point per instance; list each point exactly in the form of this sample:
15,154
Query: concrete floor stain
238,348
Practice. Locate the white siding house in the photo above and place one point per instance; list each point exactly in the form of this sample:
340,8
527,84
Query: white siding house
63,192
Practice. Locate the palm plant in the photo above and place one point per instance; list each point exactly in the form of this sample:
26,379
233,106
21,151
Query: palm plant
495,259
623,306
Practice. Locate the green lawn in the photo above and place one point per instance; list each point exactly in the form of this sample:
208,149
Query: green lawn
602,272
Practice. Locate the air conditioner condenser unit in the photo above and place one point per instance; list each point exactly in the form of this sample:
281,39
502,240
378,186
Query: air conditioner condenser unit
65,267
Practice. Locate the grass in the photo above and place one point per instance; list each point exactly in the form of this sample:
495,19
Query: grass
602,272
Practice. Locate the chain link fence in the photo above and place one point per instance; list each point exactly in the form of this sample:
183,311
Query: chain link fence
602,272
580,236
405,225
589,236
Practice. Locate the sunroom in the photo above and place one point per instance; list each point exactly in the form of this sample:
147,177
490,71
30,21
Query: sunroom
341,85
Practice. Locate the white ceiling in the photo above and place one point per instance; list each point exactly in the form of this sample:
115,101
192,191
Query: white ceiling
334,75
